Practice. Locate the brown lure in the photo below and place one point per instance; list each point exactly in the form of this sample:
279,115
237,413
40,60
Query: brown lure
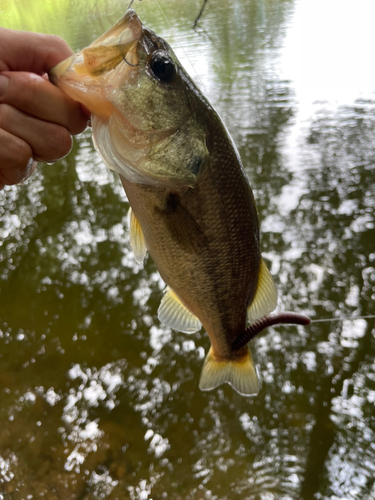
259,325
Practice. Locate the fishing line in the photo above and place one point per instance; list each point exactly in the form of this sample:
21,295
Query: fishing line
345,318
182,47
131,3
287,318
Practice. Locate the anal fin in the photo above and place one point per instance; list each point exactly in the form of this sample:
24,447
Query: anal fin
174,314
265,299
240,373
137,240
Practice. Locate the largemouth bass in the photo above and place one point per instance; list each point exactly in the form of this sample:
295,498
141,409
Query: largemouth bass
191,203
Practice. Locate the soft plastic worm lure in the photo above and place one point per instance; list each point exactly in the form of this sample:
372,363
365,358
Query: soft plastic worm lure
262,323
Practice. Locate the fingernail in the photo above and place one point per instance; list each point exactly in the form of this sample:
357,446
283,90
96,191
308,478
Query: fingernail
4,80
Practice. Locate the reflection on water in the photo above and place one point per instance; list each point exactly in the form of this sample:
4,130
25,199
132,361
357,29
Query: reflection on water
100,401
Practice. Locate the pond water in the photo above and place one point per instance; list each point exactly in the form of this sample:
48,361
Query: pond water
97,399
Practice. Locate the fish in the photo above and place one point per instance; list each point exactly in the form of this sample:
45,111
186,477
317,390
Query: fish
191,204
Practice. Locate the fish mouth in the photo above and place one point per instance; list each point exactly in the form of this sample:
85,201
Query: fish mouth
83,75
130,82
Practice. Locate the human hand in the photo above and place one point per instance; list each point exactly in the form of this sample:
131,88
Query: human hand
37,119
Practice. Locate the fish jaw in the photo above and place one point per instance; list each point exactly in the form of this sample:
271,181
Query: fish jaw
83,89
83,75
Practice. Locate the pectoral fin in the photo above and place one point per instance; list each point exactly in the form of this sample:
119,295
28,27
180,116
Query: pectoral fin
174,314
239,373
265,299
137,240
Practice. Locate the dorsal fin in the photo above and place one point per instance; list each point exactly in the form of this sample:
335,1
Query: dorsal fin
265,299
174,314
137,240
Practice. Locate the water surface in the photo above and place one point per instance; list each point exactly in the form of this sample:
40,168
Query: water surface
100,401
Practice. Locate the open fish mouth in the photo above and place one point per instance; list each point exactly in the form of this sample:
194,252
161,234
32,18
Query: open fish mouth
140,103
83,75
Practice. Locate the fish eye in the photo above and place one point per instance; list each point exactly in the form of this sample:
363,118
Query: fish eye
162,67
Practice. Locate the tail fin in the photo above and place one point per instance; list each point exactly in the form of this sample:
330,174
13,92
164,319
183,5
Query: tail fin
239,373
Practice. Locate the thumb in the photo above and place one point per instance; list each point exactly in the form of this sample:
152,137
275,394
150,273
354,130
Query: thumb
33,52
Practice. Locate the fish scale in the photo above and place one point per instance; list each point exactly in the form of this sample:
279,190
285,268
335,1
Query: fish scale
227,269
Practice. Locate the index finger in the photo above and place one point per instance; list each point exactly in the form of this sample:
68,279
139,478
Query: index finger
33,52
37,97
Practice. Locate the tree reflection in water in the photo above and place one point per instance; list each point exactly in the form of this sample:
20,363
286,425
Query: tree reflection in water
99,401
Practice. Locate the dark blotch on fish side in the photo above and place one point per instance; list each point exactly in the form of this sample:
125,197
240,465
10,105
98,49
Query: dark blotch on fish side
262,323
172,203
183,228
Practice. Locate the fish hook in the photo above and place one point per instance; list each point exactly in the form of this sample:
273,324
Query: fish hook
262,323
130,64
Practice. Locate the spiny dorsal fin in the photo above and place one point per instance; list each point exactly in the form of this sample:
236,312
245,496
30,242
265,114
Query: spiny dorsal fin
174,314
265,299
239,373
137,239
